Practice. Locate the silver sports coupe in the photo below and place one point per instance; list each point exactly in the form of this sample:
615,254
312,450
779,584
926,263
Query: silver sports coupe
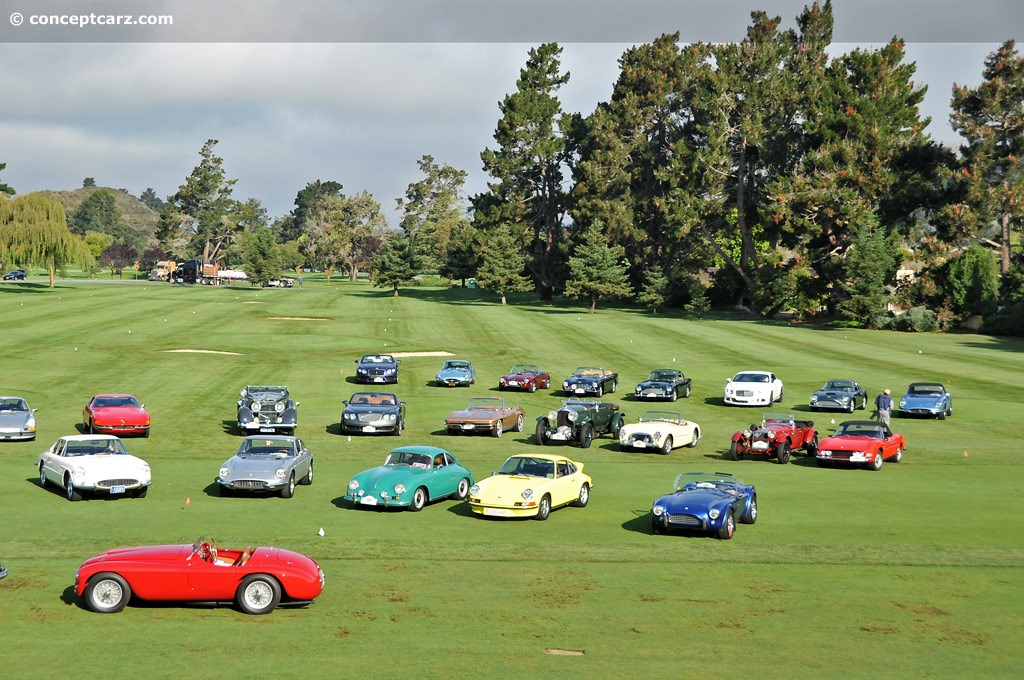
267,464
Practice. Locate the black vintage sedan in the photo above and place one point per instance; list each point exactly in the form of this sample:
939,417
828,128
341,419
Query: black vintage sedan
373,412
664,384
15,275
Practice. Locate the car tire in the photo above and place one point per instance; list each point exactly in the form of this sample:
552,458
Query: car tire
600,391
70,491
864,404
584,497
694,439
519,424
586,436
419,499
674,396
615,386
258,594
734,451
852,406
107,593
289,489
898,457
539,433
42,476
656,528
728,526
616,425
398,428
462,489
942,415
307,479
782,453
750,516
141,492
686,394
496,430
533,386
544,509
145,434
812,446
91,427
666,448
877,463
781,392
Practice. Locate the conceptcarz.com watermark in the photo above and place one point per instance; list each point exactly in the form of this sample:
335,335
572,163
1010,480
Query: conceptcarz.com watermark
91,19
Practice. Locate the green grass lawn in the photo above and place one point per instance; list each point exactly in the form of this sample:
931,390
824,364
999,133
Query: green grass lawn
914,571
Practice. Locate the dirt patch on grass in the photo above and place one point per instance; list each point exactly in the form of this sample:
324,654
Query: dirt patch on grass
423,354
299,318
201,351
397,596
253,302
884,630
564,652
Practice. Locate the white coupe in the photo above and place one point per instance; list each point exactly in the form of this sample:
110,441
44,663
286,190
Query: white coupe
93,462
660,431
752,388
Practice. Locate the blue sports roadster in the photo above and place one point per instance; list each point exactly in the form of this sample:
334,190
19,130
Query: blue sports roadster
456,372
926,399
705,501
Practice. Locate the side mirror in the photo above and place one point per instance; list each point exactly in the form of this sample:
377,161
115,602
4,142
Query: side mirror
401,403
493,472
242,391
297,404
143,406
345,402
356,361
728,380
34,410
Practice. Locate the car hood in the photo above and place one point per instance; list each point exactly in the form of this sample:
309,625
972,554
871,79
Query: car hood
922,401
653,426
131,415
519,376
664,384
833,394
846,444
454,372
588,379
251,465
474,415
371,408
14,418
149,553
383,367
753,387
100,464
509,488
698,500
386,476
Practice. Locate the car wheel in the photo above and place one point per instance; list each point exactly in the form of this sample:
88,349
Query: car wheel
750,516
42,475
308,479
107,593
600,390
728,526
734,451
876,464
533,386
899,454
92,427
141,492
942,415
539,433
586,436
852,406
693,440
419,499
289,489
462,490
519,424
616,425
782,453
779,400
544,509
398,428
864,404
674,395
656,527
686,394
145,434
496,430
70,491
614,386
812,446
258,594
584,497
666,448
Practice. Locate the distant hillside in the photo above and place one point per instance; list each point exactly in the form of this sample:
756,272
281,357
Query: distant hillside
139,217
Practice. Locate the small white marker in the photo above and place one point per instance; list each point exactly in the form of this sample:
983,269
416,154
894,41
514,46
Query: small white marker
321,532
833,421
350,437
76,349
129,332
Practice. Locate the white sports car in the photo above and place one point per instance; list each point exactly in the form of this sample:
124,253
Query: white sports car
752,388
93,462
661,431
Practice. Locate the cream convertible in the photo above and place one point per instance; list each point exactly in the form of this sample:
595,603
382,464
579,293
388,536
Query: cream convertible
661,431
530,486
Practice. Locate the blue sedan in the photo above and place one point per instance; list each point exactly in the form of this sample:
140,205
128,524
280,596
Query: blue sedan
705,501
926,399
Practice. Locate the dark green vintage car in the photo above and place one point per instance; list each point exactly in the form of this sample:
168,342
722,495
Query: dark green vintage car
579,420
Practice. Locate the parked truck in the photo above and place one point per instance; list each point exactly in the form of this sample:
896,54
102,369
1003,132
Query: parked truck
195,271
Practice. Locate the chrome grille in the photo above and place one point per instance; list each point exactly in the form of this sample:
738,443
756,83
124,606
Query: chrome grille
250,484
107,483
369,417
684,520
640,437
744,393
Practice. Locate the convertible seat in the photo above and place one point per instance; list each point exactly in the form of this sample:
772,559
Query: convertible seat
803,423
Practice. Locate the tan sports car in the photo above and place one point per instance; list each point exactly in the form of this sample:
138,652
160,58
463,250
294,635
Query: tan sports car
485,414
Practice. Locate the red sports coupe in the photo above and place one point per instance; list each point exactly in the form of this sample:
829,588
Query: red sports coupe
256,579
524,378
116,414
861,441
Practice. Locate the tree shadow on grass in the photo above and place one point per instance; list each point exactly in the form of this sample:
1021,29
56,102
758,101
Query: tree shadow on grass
29,288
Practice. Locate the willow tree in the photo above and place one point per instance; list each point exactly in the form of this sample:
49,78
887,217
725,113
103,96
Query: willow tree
34,230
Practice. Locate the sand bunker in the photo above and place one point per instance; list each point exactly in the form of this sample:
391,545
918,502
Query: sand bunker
564,652
202,351
299,318
253,302
422,354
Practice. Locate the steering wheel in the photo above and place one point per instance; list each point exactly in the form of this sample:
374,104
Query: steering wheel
208,551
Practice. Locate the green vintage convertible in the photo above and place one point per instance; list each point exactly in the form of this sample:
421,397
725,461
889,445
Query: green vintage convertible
411,477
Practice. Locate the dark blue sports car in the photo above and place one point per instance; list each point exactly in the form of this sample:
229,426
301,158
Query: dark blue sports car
926,399
377,368
705,501
590,380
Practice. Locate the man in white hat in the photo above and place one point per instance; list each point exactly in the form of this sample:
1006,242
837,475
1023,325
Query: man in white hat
883,403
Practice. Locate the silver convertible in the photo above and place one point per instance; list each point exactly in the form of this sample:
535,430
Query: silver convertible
267,463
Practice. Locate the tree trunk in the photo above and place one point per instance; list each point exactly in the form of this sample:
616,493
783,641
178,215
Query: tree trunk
547,293
504,302
593,304
396,291
1004,255
51,276
327,273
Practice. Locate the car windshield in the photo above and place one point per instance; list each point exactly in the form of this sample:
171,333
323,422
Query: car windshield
485,403
267,446
409,458
522,368
925,390
751,378
111,446
13,404
589,370
768,418
845,385
693,481
455,364
663,375
374,398
667,416
266,391
859,430
377,359
108,402
528,466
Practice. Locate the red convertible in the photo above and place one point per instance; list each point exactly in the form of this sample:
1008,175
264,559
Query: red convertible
526,378
862,441
256,579
778,434
115,414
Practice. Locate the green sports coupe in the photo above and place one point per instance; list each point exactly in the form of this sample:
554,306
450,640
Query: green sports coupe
411,477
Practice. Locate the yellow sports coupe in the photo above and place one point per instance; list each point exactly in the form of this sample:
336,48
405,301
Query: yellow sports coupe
530,485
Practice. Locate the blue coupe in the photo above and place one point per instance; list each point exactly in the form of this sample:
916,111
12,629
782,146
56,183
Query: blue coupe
705,501
456,372
926,399
377,368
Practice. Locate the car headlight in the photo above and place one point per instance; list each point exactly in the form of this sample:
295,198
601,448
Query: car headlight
903,402
224,472
399,489
658,511
845,399
389,371
713,513
437,376
361,370
255,407
565,384
279,407
729,392
347,416
474,490
572,416
552,416
353,485
771,434
814,397
78,472
528,494
390,416
30,424
280,473
746,433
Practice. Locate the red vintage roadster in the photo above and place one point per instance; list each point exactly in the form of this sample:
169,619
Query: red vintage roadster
778,434
256,579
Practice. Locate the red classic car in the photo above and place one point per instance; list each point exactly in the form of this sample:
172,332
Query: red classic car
861,441
526,378
778,434
116,414
256,579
